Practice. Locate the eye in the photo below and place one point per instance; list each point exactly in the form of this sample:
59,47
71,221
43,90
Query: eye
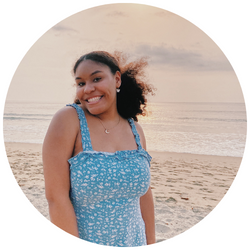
80,84
97,79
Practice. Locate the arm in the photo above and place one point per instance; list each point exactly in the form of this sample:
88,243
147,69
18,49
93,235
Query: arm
57,149
146,202
147,210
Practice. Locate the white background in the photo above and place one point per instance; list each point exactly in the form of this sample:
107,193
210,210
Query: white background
23,22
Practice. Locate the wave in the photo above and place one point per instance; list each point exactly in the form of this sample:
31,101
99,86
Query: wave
211,119
26,118
15,116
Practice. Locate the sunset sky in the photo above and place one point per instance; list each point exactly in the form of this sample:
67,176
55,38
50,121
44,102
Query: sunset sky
185,65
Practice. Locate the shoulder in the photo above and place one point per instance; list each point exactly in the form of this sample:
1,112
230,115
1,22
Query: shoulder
141,134
65,119
65,112
61,134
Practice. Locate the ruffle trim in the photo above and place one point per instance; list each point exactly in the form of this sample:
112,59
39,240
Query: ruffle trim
120,155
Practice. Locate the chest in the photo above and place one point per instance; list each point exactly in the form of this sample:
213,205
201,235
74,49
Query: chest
98,177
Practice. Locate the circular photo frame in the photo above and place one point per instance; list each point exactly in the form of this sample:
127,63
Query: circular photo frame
195,125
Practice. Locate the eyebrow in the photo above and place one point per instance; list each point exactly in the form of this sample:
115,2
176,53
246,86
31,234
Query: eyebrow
95,72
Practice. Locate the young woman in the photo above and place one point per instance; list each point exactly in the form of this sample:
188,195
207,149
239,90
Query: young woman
96,169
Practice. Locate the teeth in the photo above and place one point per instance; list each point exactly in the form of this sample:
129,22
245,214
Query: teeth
94,99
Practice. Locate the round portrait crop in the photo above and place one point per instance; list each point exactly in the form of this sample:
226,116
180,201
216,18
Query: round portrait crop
124,130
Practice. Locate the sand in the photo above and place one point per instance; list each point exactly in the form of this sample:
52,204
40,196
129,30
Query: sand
186,187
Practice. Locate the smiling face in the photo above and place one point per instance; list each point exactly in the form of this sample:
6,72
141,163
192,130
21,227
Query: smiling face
96,87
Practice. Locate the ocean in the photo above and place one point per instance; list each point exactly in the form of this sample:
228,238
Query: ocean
196,128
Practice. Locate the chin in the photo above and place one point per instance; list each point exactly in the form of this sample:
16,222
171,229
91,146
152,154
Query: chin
95,111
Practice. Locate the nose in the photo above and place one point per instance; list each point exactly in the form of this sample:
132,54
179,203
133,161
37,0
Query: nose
89,88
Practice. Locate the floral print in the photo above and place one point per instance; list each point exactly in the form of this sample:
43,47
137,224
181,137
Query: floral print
106,190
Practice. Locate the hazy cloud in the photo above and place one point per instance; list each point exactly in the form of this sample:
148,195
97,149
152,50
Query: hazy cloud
181,58
117,13
162,13
62,28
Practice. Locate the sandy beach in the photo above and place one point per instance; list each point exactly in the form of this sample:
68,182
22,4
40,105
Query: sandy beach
186,187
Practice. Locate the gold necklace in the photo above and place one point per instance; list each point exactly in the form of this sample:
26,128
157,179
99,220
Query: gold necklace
107,131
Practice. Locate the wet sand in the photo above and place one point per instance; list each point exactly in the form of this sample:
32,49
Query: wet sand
186,187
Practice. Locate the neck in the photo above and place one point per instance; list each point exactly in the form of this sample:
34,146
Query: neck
107,123
111,116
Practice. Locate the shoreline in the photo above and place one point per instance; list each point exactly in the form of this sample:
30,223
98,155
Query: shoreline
186,187
154,153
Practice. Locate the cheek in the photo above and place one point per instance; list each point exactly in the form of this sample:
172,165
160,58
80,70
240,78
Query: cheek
79,94
111,87
79,91
112,93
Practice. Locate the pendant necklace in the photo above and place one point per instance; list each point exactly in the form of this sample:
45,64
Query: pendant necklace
107,131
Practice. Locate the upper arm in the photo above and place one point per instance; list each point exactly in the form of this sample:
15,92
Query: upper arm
141,134
58,147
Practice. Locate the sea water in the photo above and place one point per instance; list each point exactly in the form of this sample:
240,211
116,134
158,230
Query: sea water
197,128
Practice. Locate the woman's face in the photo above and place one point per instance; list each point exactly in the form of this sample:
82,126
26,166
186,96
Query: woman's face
96,87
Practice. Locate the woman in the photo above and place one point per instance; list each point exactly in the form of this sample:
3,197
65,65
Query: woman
95,165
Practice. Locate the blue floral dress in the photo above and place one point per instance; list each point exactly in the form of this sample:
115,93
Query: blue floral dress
106,190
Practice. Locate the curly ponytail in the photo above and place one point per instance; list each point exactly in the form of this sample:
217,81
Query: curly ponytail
131,100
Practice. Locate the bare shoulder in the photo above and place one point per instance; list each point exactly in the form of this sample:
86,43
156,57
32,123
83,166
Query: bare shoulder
66,116
65,113
141,134
138,127
64,123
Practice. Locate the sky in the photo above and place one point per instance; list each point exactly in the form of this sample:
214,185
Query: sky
185,65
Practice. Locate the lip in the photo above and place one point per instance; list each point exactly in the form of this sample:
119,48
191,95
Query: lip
93,99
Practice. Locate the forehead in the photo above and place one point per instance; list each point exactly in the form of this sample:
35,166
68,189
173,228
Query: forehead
89,66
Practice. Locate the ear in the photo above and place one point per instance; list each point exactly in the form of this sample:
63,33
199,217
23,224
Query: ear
118,79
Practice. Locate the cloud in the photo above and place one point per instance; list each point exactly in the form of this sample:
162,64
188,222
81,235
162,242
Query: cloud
163,13
117,13
62,28
182,58
160,13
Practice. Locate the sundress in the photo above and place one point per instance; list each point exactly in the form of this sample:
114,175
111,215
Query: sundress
106,190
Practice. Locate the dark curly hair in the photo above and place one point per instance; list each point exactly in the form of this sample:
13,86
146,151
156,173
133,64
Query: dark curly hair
131,100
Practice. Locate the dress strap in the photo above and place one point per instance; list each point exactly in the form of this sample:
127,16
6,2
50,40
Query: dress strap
86,142
134,130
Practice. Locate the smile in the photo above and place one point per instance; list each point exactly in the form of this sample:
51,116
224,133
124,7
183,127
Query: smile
94,99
